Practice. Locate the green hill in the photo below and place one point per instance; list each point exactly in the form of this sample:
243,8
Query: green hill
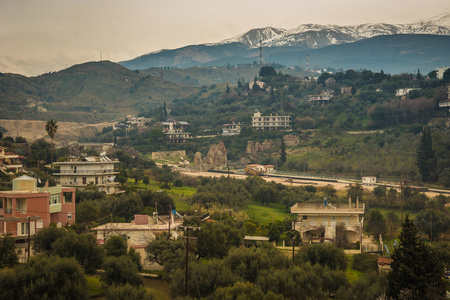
90,92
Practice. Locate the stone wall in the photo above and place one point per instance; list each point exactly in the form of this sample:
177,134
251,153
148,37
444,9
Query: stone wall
254,148
291,140
164,154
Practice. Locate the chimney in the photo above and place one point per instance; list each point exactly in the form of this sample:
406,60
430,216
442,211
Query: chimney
357,202
349,201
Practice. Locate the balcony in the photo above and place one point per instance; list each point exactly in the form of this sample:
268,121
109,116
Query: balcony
55,208
87,172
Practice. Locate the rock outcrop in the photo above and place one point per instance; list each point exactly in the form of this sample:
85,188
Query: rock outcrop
255,148
216,159
198,161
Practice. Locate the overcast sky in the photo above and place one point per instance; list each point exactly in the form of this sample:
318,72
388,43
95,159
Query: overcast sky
38,36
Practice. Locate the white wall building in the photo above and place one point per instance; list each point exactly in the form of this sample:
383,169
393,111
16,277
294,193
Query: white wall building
369,180
270,123
440,72
232,129
175,131
98,170
317,221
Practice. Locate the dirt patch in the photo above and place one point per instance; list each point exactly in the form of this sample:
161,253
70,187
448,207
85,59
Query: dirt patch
33,130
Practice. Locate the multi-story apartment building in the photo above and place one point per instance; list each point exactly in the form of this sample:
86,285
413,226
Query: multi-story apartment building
270,123
317,221
96,169
27,209
175,131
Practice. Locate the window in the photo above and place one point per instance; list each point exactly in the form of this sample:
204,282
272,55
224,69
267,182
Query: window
305,218
55,199
21,205
69,216
23,228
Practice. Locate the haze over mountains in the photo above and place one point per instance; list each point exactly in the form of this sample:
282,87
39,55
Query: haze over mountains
277,42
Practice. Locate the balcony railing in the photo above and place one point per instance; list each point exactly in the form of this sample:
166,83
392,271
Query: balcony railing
72,172
55,208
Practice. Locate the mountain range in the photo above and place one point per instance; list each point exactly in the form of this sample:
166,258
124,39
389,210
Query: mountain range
290,47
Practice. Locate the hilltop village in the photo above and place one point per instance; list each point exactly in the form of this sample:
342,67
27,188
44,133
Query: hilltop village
326,184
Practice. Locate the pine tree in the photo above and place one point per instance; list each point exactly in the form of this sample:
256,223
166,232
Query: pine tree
164,111
415,270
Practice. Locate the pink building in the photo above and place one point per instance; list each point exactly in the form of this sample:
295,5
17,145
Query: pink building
41,205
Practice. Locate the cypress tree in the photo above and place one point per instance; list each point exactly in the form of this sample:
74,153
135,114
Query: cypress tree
283,151
415,273
425,156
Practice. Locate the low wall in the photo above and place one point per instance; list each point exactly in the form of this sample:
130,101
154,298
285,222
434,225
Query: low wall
163,154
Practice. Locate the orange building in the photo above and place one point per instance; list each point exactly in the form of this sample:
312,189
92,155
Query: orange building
38,206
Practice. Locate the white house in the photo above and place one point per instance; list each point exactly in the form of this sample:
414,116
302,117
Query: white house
270,123
440,72
317,221
369,180
96,169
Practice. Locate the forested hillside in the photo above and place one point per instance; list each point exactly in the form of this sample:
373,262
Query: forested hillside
388,127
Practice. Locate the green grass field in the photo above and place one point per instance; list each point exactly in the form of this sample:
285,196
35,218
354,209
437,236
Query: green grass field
352,274
94,285
266,213
157,287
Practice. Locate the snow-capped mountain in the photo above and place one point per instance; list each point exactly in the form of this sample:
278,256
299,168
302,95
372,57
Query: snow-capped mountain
430,37
252,37
313,36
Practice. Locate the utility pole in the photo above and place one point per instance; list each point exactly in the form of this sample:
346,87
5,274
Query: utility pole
187,264
200,212
293,243
170,218
431,229
229,189
187,237
29,237
401,197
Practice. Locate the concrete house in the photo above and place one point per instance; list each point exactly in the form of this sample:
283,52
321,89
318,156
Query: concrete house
10,162
41,205
369,180
232,129
176,131
270,123
317,221
139,232
96,169
323,96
